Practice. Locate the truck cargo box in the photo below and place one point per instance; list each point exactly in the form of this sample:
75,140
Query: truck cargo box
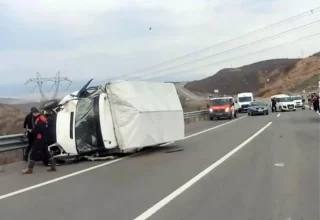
145,113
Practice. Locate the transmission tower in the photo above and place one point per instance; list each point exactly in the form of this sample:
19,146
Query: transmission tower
56,83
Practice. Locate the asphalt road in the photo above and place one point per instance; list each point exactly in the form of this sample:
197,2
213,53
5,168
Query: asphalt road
187,93
225,172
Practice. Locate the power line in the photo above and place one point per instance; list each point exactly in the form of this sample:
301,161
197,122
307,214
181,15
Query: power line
301,15
258,51
232,49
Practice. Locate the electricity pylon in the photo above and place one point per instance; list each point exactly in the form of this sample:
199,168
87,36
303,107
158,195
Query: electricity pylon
41,80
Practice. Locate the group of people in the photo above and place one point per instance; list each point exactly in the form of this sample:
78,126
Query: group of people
40,130
313,100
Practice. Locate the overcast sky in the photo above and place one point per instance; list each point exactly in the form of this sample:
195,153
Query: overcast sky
108,38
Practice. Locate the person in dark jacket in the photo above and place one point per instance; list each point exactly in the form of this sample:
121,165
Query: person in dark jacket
273,105
39,150
28,125
315,101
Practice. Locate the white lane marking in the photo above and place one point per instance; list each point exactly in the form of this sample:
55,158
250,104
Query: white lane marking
100,165
58,179
279,164
210,129
195,179
278,115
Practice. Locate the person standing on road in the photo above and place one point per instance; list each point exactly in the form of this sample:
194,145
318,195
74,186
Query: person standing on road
316,101
28,125
39,150
274,105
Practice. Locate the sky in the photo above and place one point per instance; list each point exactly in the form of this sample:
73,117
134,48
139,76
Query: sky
112,39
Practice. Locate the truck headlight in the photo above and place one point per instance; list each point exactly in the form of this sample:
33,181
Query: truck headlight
210,110
227,110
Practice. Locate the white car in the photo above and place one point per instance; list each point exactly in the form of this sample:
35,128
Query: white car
285,103
298,101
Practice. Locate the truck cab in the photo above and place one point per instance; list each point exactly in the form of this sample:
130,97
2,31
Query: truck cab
222,107
244,100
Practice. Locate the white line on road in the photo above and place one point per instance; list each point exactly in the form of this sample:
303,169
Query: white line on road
58,179
195,179
100,165
278,115
215,127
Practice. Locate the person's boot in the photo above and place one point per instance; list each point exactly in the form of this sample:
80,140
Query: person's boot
29,170
53,165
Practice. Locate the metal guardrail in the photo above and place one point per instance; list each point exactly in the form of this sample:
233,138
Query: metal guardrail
11,142
18,141
195,114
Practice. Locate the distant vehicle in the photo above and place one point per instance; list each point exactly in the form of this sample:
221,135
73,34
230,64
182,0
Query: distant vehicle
244,100
222,107
258,108
284,103
298,100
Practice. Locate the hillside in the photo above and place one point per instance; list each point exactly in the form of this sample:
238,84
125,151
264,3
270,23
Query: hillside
303,75
246,78
11,120
12,117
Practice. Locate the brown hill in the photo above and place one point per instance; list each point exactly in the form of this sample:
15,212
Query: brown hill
12,117
243,79
303,75
11,120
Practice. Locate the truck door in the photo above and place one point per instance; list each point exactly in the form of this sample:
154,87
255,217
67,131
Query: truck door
106,123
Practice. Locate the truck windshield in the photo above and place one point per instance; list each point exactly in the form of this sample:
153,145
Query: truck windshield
87,126
245,99
216,102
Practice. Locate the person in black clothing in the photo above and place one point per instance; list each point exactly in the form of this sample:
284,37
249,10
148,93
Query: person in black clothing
28,125
274,105
39,149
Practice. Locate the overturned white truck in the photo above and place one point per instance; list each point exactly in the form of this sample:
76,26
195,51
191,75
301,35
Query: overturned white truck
119,117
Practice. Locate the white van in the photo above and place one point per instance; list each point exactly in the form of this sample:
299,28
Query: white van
284,103
244,100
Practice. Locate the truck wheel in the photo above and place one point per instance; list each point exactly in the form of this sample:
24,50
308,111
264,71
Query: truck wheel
235,114
211,118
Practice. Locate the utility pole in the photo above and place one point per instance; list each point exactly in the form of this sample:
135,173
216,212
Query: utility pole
57,80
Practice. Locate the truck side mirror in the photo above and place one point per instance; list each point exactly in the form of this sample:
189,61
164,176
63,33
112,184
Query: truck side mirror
236,101
208,105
